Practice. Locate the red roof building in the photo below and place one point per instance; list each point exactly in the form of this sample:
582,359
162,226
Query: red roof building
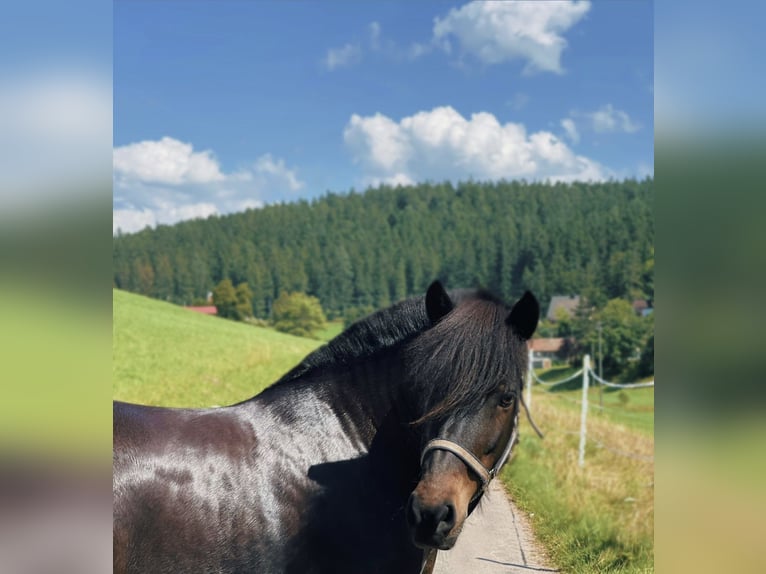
547,349
546,344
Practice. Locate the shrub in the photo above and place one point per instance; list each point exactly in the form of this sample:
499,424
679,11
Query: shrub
298,314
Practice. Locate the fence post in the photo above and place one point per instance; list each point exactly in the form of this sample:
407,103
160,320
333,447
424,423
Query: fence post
584,414
529,381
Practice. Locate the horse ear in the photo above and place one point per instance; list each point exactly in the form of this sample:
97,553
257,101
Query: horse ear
438,303
524,316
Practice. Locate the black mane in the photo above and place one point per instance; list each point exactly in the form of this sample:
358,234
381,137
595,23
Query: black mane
400,323
381,330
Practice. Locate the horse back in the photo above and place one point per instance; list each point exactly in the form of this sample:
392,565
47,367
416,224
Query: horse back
256,488
185,485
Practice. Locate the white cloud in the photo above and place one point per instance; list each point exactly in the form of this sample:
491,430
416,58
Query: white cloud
385,144
348,55
166,161
375,32
416,50
166,181
607,119
371,42
276,169
492,32
604,120
441,143
571,130
398,179
644,170
130,220
169,212
496,32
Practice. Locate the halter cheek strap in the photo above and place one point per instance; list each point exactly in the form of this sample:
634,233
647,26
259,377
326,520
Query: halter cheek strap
471,460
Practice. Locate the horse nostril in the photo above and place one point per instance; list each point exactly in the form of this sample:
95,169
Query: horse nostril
431,525
414,514
446,518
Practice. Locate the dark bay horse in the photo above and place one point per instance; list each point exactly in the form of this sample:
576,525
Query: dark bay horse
366,457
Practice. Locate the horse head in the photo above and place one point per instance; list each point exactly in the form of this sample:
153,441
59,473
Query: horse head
466,372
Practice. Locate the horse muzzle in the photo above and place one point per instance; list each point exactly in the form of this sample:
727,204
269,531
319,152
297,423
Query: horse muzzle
432,525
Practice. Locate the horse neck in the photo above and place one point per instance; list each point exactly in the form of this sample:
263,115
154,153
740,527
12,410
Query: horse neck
369,388
368,395
364,396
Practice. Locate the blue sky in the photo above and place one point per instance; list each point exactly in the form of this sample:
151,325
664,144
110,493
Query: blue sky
221,106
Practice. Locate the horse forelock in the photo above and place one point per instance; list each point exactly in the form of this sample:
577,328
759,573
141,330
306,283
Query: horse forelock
452,364
464,357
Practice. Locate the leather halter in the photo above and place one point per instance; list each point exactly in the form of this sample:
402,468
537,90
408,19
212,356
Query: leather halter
471,460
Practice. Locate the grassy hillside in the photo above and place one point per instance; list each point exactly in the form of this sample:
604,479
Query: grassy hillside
331,330
166,355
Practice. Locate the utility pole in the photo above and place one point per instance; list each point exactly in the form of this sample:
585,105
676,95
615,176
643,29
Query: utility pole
584,412
600,372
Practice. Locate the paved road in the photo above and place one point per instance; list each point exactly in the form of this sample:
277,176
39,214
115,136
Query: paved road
496,538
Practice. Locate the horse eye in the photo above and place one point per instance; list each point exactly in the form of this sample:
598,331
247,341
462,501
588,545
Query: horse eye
507,400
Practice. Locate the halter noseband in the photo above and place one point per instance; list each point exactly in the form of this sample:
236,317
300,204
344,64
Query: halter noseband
471,460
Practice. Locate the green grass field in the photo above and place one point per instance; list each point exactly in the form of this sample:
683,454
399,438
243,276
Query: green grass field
167,355
331,330
632,408
599,518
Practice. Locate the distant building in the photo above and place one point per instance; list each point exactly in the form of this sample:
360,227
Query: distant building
205,310
639,306
568,303
642,308
547,349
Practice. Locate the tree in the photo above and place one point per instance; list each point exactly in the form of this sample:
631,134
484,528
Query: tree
163,278
354,250
545,329
644,367
623,334
225,299
244,305
564,323
297,314
648,276
145,275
